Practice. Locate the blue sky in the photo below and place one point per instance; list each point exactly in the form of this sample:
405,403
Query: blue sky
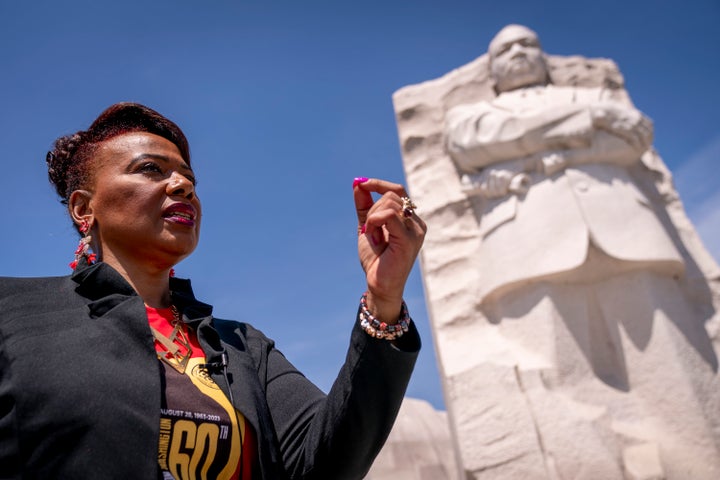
285,102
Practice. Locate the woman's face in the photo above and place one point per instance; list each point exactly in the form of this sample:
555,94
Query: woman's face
143,201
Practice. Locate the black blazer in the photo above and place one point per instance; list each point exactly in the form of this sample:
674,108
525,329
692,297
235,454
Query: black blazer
80,385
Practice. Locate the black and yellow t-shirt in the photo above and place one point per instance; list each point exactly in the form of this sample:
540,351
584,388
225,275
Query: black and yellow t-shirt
201,435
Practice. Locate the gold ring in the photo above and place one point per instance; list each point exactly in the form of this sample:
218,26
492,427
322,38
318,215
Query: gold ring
408,207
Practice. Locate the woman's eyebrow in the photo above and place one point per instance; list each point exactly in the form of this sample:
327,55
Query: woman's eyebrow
158,156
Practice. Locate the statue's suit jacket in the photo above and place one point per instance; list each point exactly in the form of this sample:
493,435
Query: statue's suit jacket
592,200
80,386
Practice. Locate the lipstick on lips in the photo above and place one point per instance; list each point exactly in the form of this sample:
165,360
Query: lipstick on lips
181,213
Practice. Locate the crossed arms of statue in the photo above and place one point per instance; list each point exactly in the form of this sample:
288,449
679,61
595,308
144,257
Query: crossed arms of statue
497,149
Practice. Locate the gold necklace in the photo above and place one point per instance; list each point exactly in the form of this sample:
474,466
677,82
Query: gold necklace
170,351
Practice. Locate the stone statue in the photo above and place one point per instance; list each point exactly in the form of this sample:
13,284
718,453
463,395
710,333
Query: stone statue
574,308
577,144
418,448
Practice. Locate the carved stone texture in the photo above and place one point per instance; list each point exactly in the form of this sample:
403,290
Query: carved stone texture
573,305
418,448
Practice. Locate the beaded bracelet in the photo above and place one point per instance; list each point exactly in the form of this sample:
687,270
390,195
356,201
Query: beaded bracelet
376,328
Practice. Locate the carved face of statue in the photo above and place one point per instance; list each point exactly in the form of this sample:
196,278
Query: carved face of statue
516,59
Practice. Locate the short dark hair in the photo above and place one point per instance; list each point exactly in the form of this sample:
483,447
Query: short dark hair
68,162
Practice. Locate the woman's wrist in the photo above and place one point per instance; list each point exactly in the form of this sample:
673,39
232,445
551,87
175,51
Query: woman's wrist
384,309
376,327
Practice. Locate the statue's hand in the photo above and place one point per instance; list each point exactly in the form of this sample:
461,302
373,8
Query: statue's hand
497,182
552,163
471,184
624,122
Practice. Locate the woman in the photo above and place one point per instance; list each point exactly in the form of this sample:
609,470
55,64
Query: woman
117,371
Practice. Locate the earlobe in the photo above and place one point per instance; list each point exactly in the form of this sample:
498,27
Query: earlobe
80,206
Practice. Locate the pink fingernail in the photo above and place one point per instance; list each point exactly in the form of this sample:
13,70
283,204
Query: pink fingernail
359,180
363,228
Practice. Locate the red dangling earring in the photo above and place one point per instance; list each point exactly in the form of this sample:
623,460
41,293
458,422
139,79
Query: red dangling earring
84,246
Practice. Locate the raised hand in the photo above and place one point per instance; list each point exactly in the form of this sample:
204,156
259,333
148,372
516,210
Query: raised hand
389,240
